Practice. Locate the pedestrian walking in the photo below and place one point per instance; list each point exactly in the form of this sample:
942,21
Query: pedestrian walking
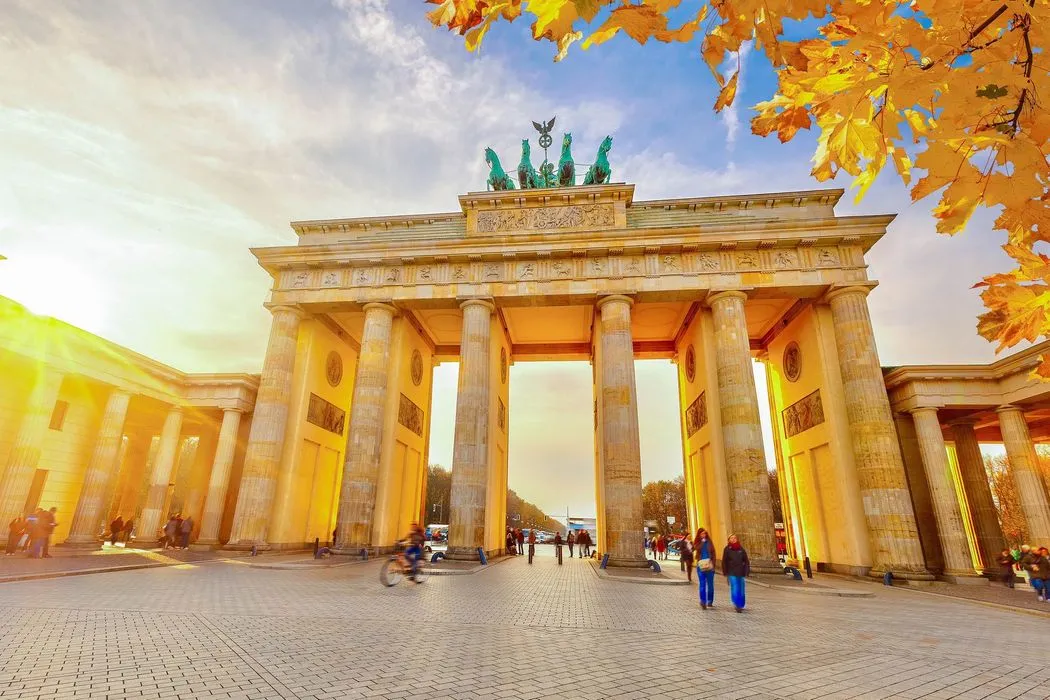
736,566
1006,568
129,527
685,557
30,534
661,546
532,543
50,523
704,551
171,529
586,543
1041,573
570,540
511,542
15,529
185,529
521,540
557,546
115,528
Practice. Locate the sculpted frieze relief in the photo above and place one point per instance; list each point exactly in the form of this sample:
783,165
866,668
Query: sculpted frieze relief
721,266
574,216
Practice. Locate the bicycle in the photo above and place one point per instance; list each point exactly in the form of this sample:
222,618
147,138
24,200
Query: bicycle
398,566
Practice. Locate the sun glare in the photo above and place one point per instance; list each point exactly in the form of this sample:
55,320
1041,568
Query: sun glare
58,289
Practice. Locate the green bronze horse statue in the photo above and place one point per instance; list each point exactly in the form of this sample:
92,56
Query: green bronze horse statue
528,178
566,166
600,172
498,180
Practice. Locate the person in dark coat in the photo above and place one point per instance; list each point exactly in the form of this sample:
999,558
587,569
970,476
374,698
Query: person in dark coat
115,528
1041,572
14,534
736,566
521,540
1006,568
570,540
129,526
685,557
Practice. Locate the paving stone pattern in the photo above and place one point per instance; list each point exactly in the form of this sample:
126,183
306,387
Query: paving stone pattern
224,629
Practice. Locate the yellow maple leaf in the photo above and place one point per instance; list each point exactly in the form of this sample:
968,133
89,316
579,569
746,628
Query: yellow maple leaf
728,93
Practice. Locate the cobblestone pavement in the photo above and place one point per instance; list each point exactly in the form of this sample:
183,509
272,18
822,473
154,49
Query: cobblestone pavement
225,629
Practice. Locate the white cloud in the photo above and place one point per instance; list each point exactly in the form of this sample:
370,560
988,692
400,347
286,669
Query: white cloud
730,115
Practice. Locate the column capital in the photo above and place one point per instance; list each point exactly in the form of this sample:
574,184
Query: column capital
234,410
837,290
718,295
487,303
1009,408
622,298
385,306
176,408
286,308
924,409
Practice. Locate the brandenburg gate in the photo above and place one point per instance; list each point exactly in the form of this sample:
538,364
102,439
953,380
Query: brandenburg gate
364,308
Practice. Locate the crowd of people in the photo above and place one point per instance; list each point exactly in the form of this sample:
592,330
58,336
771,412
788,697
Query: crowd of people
1032,563
577,541
32,534
177,532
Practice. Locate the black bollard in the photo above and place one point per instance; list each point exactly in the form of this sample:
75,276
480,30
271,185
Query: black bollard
809,568
317,545
558,547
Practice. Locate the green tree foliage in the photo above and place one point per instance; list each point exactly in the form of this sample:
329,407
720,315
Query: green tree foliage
439,491
1004,493
520,513
663,498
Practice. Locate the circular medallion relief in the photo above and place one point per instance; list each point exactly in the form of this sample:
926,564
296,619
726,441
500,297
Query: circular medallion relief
792,362
690,363
333,368
503,365
417,367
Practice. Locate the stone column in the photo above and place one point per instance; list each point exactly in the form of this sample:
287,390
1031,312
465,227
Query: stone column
364,440
470,456
25,452
880,470
919,488
1024,465
262,457
950,529
167,453
979,495
219,481
101,472
621,452
751,508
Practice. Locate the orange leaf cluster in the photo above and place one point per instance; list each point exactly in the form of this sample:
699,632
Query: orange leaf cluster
956,84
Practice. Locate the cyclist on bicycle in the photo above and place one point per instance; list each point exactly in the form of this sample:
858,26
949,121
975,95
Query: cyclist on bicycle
414,552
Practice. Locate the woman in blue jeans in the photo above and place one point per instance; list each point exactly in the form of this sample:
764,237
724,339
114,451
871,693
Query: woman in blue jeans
705,567
736,566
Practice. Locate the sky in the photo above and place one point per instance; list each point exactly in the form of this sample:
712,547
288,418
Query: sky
144,147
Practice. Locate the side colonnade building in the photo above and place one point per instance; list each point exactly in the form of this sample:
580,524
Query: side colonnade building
364,308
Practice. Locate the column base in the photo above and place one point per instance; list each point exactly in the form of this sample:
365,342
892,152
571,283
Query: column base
205,545
628,562
247,546
354,550
767,566
462,554
963,578
903,574
81,543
